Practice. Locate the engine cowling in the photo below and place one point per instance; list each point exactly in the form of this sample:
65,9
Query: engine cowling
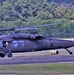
54,52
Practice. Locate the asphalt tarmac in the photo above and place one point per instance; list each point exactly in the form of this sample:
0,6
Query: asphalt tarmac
37,59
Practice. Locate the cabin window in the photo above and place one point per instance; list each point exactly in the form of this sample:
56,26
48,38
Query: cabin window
21,43
14,43
1,44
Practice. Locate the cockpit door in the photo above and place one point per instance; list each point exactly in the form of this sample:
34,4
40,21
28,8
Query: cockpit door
5,44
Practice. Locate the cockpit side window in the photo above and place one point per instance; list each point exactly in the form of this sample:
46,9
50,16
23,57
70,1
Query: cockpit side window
14,44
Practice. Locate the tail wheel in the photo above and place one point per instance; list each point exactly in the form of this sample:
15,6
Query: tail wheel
69,51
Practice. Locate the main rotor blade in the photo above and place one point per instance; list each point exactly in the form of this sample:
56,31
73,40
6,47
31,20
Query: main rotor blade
28,28
44,25
18,29
35,27
7,29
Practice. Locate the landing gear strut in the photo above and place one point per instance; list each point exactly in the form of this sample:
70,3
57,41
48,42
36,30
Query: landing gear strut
69,51
9,54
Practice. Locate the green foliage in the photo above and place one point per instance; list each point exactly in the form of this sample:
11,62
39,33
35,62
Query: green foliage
21,13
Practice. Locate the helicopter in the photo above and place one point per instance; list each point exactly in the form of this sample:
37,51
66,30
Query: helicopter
30,42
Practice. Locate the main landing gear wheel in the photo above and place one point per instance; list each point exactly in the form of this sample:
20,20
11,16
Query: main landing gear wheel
9,54
2,55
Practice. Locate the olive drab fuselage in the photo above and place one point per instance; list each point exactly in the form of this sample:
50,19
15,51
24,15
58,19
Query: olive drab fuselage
30,43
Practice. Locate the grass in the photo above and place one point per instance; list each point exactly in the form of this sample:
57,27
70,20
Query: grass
38,69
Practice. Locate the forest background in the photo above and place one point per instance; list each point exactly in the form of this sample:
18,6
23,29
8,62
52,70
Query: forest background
23,13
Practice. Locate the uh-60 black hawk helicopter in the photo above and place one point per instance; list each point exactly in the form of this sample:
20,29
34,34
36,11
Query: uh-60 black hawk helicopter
22,42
